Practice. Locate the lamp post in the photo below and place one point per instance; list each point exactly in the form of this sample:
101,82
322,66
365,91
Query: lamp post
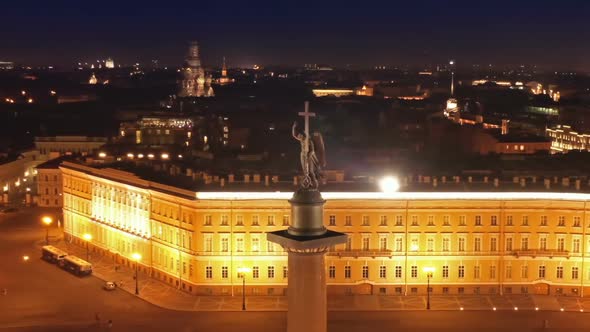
242,274
429,272
137,258
47,221
87,238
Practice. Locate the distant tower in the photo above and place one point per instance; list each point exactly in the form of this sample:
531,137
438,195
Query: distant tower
452,63
194,83
223,69
224,79
452,109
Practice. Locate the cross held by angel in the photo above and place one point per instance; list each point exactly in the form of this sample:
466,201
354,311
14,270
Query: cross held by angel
312,155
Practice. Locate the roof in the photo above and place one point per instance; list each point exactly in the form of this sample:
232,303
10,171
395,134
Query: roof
53,163
522,138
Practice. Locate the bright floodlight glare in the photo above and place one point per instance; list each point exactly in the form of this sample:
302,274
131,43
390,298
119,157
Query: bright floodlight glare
389,184
136,256
452,62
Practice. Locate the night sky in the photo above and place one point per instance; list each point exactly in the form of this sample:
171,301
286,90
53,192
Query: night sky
552,34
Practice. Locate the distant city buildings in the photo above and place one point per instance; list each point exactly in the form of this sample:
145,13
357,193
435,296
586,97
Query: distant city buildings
109,63
564,138
6,65
195,82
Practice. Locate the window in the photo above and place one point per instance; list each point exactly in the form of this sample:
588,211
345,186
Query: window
414,271
461,271
492,271
477,220
382,272
508,271
493,244
347,272
430,220
239,244
383,243
461,290
271,272
577,221
255,244
543,220
270,247
524,272
285,272
255,272
561,244
561,221
270,220
575,273
508,220
224,220
446,221
494,220
477,244
332,220
524,243
398,244
209,272
542,272
208,243
365,221
255,220
430,244
348,246
398,271
224,272
576,246
508,244
224,244
445,290
414,220
525,220
446,244
461,244
285,220
559,272
382,220
462,221
543,243
239,221
365,272
399,221
445,271
208,220
348,221
332,272
366,242
414,246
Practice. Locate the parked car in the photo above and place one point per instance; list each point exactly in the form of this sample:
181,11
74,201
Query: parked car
109,286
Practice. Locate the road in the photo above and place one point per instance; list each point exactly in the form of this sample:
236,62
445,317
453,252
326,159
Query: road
42,297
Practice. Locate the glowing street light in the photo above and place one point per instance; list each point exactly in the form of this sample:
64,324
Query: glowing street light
242,274
429,272
87,237
102,154
47,220
26,258
389,184
137,257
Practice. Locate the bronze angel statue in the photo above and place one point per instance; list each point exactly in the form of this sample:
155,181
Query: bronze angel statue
312,157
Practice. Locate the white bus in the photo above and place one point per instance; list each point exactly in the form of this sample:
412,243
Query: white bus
76,265
52,254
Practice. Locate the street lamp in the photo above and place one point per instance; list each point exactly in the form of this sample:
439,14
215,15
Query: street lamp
87,238
26,258
242,274
47,221
137,258
389,184
429,271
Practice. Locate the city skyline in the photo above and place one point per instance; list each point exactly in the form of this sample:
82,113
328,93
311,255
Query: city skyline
281,34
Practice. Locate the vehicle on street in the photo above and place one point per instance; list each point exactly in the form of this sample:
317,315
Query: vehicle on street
76,265
109,286
52,254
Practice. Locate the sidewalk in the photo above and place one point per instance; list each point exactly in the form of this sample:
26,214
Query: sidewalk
166,296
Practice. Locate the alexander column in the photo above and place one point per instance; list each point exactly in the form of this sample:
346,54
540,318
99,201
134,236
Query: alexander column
307,240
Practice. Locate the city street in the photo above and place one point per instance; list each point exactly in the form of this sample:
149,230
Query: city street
42,297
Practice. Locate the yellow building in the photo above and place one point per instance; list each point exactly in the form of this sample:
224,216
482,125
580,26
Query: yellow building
477,242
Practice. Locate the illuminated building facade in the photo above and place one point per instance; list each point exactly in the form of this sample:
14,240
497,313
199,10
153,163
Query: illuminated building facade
477,242
564,138
195,83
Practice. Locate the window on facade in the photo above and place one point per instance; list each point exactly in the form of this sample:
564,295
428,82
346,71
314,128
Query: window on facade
492,271
224,220
414,220
399,221
382,272
239,220
430,244
224,244
576,246
525,220
430,220
398,271
446,221
461,244
255,244
477,220
462,220
348,246
414,246
494,220
561,221
208,243
577,221
365,221
348,221
508,272
575,272
559,272
543,220
209,272
208,220
446,244
524,243
46,191
543,243
399,244
332,220
508,244
477,244
270,220
347,272
382,220
542,272
414,271
271,272
524,272
365,272
561,244
255,272
332,272
239,244
285,272
383,243
285,220
445,271
461,271
493,244
270,247
366,242
508,220
224,272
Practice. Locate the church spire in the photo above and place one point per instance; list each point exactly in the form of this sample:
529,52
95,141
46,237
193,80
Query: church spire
223,69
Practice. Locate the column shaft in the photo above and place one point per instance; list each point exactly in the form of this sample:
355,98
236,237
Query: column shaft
307,293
